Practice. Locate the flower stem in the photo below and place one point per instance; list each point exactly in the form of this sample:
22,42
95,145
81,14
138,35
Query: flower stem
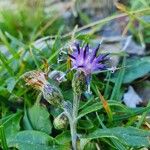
73,129
73,125
72,113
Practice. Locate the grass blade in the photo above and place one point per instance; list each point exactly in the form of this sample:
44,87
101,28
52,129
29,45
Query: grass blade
118,83
3,138
5,64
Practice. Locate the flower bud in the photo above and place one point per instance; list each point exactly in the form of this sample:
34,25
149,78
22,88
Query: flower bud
79,82
53,95
61,121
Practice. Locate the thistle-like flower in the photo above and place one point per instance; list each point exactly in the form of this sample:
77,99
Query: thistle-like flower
86,60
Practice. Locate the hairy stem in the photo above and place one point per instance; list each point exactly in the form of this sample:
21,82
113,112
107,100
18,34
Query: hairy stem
73,125
76,101
73,128
72,113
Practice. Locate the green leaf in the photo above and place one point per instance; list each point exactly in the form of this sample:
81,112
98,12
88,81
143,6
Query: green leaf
98,106
89,109
14,39
118,82
11,124
136,68
130,112
63,138
89,146
37,118
4,92
5,41
26,122
11,82
128,136
5,64
83,143
33,140
85,124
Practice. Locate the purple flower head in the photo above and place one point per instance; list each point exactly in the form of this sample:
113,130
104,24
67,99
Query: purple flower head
85,59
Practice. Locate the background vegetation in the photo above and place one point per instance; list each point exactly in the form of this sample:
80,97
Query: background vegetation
35,34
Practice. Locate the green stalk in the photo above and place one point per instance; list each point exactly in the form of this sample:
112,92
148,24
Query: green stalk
78,85
73,135
72,114
73,125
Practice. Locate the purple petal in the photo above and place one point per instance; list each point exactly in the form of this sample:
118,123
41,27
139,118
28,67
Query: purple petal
85,51
101,57
94,53
71,56
80,66
102,66
78,47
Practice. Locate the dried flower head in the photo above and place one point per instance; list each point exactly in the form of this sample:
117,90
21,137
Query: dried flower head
36,79
86,59
50,92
